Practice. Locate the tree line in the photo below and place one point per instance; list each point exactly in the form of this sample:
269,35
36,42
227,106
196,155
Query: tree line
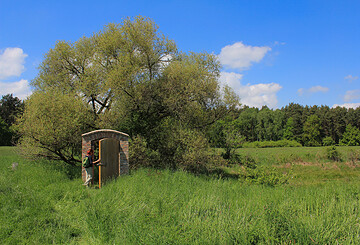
308,125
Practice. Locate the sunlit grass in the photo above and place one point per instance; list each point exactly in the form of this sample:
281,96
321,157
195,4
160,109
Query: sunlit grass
283,155
40,204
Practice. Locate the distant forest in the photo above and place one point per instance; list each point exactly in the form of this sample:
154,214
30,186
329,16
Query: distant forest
308,125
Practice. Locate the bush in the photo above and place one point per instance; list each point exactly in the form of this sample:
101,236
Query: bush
177,148
248,162
264,176
233,140
351,137
140,154
328,141
333,154
192,153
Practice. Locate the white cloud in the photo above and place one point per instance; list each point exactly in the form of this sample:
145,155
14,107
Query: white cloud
316,89
240,56
255,95
347,105
352,95
351,78
20,89
165,60
12,62
312,90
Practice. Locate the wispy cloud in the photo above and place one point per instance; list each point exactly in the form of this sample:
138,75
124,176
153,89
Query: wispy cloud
255,95
352,95
12,62
315,89
347,105
240,56
20,89
351,78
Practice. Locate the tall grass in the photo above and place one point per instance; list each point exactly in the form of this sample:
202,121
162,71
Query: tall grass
40,204
283,155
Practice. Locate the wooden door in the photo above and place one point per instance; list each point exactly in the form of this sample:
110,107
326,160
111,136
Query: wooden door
109,150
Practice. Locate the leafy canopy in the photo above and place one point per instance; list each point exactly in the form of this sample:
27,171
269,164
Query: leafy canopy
129,77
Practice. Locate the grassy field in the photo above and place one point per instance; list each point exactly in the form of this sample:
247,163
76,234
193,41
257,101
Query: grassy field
43,203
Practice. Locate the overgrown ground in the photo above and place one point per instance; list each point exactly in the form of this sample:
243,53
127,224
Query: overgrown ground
41,204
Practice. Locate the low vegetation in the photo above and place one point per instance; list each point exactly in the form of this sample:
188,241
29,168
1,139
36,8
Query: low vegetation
267,144
43,202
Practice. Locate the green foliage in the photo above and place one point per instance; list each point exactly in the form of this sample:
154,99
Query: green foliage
269,124
351,137
328,141
295,111
10,108
246,123
132,78
141,155
233,140
51,125
311,135
304,124
288,132
333,154
193,153
265,176
247,161
5,134
267,144
216,134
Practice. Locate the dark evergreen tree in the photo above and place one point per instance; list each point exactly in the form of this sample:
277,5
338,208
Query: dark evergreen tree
10,108
295,111
311,136
351,136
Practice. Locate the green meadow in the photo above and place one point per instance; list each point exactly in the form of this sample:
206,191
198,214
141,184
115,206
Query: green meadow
44,202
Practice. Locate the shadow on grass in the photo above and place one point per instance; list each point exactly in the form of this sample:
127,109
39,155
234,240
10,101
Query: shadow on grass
220,173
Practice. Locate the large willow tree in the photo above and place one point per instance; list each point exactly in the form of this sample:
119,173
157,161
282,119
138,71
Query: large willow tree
128,77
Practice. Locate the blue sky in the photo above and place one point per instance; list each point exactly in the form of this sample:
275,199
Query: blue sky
273,52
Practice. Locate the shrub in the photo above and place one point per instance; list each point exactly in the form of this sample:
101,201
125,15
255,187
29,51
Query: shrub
265,176
248,162
176,146
351,137
140,154
328,141
233,140
192,152
333,154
